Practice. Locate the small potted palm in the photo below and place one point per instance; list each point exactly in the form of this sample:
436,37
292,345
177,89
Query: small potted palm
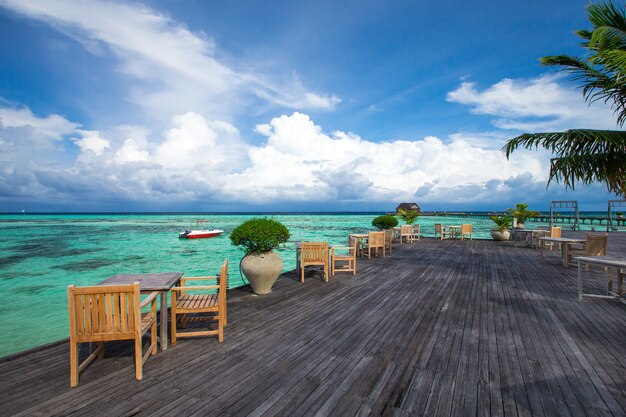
501,231
521,213
408,215
261,265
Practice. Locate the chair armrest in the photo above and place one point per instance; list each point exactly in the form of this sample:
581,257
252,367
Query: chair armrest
183,280
196,287
199,278
151,298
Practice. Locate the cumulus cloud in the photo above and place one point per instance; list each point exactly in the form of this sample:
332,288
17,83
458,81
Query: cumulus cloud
537,104
182,67
196,159
49,127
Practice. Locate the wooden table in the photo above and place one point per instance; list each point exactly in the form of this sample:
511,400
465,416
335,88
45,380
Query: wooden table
533,233
609,262
565,244
161,282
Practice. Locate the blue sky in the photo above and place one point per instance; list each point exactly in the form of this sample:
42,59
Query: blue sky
284,105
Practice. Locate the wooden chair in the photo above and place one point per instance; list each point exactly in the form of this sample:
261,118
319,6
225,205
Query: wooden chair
188,307
595,245
415,233
106,313
406,233
554,232
314,253
376,241
390,237
439,229
347,260
466,229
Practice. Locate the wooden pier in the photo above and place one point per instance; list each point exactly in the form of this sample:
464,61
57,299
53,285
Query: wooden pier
618,222
440,328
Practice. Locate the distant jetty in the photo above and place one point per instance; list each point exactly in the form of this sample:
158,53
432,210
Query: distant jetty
542,218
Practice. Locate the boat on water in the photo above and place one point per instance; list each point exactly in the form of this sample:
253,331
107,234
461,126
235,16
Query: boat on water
200,232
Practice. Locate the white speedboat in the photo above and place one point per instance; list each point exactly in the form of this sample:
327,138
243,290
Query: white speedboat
199,232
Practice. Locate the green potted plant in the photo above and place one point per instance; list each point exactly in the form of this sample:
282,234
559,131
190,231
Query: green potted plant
385,222
521,213
408,215
501,229
261,265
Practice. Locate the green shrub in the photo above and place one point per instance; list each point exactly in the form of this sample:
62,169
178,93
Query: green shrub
259,235
385,222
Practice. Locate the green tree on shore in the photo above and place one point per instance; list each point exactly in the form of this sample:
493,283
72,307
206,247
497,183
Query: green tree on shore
587,155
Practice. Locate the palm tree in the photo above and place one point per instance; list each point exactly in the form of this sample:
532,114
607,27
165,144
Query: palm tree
583,154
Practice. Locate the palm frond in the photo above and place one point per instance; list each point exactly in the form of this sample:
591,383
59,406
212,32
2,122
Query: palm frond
583,155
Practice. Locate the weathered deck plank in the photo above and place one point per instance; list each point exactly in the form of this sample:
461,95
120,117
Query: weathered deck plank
446,328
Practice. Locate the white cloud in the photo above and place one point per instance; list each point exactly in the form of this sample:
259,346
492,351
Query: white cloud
538,104
182,67
91,141
196,159
50,127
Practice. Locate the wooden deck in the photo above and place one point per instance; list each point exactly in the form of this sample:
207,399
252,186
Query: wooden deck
452,328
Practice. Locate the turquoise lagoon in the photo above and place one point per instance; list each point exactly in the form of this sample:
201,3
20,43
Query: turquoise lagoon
40,255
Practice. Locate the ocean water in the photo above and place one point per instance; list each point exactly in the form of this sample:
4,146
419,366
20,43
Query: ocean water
40,255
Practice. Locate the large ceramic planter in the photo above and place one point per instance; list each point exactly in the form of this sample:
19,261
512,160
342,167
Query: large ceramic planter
500,234
261,271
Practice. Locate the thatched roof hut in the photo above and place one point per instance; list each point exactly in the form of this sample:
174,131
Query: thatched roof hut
408,206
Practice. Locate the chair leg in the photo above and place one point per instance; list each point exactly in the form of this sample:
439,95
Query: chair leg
138,359
302,274
173,320
100,350
73,364
220,327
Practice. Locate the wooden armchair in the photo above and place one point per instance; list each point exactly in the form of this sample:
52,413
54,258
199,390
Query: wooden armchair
439,230
376,241
415,233
314,253
554,232
208,307
347,261
595,245
466,229
390,236
406,233
106,313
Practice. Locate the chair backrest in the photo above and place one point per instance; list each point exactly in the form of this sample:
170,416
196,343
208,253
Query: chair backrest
406,229
376,239
314,252
416,228
223,283
466,228
438,227
555,232
104,312
596,244
389,235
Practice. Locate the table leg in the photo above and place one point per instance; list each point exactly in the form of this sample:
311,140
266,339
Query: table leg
609,282
565,254
164,320
580,281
